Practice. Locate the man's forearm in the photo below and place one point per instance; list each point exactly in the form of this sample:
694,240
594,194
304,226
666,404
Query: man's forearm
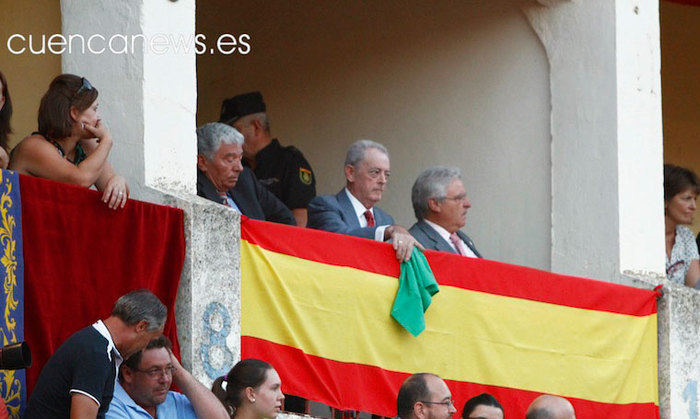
204,402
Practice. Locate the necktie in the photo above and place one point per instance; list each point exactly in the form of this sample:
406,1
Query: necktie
224,199
370,218
454,238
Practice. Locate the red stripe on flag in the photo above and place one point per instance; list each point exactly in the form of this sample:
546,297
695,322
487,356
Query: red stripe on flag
321,246
474,274
315,378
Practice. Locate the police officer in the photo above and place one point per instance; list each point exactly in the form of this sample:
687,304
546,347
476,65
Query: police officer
283,170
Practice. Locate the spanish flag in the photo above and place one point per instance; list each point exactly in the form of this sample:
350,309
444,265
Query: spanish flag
318,305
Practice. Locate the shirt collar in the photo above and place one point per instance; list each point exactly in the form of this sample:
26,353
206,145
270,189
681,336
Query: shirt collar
123,396
440,230
102,329
357,205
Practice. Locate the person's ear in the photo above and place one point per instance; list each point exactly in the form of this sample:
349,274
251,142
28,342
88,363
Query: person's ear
434,205
127,374
419,410
250,394
201,163
142,326
74,113
349,173
257,127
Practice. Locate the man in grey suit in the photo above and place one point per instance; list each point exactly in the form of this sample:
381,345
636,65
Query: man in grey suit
353,210
440,203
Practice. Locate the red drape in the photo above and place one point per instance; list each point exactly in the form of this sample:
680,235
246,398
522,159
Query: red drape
81,256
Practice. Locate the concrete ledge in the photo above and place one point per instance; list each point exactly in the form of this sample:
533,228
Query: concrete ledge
208,302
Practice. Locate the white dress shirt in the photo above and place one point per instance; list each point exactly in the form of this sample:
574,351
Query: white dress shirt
360,213
463,248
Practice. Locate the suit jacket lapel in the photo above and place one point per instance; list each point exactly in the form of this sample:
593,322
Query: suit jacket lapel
440,243
469,243
207,188
347,209
382,218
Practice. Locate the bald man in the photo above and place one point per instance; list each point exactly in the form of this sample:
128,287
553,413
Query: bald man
550,407
425,396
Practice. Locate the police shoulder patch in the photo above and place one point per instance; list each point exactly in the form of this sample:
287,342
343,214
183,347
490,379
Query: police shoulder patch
305,176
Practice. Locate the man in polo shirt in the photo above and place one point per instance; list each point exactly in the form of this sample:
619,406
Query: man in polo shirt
144,383
283,170
78,379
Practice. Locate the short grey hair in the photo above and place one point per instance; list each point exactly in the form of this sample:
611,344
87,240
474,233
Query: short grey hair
432,183
357,150
141,305
260,117
210,137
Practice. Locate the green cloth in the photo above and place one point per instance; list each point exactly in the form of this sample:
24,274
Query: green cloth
416,287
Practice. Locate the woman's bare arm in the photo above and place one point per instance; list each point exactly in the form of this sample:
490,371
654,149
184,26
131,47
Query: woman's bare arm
38,157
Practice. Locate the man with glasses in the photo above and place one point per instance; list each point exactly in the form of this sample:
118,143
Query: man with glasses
440,203
353,210
144,383
424,396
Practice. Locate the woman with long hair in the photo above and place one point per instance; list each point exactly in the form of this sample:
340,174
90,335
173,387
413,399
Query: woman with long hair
251,390
72,144
681,188
5,115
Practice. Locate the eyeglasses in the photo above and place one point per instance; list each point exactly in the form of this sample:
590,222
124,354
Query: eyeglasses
85,87
447,403
458,198
156,372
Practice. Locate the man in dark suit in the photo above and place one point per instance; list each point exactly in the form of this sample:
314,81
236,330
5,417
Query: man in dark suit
222,178
440,203
353,210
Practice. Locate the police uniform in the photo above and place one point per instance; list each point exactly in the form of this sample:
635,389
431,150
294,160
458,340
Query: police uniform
286,173
283,170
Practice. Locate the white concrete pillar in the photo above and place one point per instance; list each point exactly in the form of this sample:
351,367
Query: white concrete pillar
607,177
141,58
607,197
148,99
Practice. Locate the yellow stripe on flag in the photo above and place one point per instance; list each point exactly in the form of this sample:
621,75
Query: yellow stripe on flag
343,314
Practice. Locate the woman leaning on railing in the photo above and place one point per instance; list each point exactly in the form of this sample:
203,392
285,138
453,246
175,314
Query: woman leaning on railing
72,144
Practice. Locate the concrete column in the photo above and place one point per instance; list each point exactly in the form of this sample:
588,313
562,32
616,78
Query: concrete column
208,303
607,198
141,58
607,179
148,99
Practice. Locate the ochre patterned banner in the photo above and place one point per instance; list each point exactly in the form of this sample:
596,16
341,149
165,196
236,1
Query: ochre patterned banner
12,382
317,306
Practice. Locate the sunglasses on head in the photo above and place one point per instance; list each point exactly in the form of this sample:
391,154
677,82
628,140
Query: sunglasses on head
85,87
